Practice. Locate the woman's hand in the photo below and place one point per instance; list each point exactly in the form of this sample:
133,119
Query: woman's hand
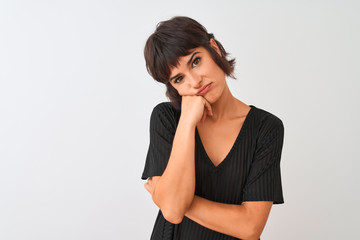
195,108
150,184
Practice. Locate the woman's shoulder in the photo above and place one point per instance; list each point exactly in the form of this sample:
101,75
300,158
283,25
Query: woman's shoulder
165,108
165,112
267,120
266,115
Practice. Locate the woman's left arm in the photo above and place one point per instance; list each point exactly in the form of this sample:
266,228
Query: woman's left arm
245,221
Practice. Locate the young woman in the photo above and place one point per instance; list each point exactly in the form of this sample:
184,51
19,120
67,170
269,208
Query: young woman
213,163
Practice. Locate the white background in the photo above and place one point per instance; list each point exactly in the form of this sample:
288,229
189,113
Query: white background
75,104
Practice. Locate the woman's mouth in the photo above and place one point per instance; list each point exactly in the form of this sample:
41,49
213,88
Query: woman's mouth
204,90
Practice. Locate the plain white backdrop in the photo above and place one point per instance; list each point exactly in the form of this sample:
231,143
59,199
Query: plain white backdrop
75,104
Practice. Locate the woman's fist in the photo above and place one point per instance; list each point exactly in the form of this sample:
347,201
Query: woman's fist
195,108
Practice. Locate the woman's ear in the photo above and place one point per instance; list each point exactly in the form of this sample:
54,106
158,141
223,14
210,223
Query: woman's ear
215,46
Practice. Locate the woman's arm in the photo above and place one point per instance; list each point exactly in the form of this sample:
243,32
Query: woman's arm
245,221
174,190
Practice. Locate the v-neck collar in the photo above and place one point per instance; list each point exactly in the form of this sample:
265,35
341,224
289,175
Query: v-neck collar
236,143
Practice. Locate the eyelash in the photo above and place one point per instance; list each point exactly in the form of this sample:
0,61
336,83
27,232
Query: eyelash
197,58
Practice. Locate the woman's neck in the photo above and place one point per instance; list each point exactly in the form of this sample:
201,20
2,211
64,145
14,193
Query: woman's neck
226,108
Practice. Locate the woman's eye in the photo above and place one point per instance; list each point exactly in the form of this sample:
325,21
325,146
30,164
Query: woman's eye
179,78
196,61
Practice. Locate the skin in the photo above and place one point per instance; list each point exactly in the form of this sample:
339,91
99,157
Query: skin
203,71
216,114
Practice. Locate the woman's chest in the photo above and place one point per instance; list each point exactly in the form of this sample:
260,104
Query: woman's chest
224,182
218,141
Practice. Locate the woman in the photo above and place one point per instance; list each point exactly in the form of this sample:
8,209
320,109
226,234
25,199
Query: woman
213,163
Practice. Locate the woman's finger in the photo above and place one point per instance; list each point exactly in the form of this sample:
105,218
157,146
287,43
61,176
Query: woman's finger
203,117
146,185
208,107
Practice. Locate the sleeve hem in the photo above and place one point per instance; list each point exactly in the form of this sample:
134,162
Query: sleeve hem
264,199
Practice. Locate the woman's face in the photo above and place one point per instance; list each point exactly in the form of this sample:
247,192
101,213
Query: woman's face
197,70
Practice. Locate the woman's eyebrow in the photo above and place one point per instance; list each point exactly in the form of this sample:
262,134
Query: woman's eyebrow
174,77
192,56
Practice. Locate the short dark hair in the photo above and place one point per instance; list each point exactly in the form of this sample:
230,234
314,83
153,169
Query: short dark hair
173,39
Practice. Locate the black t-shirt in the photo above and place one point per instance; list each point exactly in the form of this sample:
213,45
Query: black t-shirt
250,171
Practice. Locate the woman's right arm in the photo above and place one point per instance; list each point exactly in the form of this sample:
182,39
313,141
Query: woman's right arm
175,189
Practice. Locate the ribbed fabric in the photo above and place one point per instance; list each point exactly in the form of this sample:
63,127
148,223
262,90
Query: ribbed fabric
250,171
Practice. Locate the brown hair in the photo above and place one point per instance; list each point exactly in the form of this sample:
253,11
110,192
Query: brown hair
175,38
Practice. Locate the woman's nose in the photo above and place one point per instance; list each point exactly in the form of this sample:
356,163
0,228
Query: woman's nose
195,80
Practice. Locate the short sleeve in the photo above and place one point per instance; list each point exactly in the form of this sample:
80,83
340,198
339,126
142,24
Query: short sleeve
264,179
162,131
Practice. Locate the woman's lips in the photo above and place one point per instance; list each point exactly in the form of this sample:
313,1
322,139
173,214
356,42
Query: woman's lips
205,89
